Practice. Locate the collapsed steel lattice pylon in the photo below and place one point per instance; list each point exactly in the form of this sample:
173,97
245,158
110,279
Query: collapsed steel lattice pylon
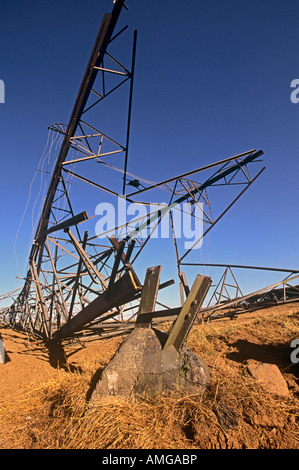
79,284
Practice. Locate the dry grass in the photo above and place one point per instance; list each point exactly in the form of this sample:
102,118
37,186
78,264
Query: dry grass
234,413
57,415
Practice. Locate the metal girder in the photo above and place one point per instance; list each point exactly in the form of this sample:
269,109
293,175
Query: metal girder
77,219
243,266
253,301
188,313
105,35
85,282
95,275
199,188
99,49
148,296
124,290
192,172
45,326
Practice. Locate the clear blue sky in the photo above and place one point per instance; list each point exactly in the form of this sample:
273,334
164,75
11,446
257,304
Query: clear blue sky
212,80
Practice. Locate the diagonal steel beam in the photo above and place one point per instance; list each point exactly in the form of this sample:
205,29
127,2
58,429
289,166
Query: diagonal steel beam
148,296
189,312
124,290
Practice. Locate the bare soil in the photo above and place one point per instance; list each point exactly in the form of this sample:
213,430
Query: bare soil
45,407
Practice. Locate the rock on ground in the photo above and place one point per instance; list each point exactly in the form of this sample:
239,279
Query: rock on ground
141,366
269,377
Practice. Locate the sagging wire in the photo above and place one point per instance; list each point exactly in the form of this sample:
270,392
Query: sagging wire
44,185
136,178
27,203
46,155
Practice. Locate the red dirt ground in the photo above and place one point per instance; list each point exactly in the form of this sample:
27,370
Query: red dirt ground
226,346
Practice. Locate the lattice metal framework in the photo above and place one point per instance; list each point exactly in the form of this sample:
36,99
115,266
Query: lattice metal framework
77,283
